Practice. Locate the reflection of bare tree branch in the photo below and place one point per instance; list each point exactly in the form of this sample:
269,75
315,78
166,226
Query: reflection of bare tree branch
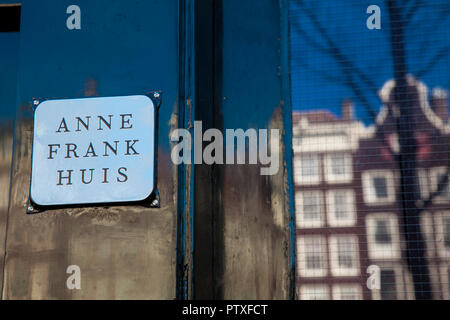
433,61
413,9
349,69
309,39
349,82
323,74
357,80
334,49
346,81
351,73
360,95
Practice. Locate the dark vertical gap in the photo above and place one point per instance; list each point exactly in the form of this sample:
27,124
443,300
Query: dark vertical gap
218,170
204,188
10,17
208,229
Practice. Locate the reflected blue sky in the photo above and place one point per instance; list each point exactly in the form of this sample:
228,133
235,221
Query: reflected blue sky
318,77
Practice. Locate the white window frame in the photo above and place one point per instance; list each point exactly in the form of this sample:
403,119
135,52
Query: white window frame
426,225
370,197
298,177
336,269
307,291
398,273
301,258
297,140
333,221
299,212
445,281
350,286
394,142
423,183
434,177
381,251
332,178
439,216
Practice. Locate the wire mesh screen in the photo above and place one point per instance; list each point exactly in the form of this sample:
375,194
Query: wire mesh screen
371,144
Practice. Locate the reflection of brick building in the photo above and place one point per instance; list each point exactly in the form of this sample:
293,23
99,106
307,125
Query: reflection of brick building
347,209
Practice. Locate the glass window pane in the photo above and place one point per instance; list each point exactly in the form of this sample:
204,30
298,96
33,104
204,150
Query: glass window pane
382,232
388,290
314,253
310,166
311,206
380,186
446,227
346,252
338,164
341,205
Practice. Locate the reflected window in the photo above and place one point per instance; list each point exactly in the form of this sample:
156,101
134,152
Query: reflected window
297,141
341,207
312,257
347,292
388,285
448,283
314,292
445,193
382,236
382,232
443,233
378,187
437,176
309,209
307,169
344,255
446,235
339,168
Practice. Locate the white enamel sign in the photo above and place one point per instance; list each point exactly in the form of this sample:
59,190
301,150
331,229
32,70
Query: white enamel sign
93,150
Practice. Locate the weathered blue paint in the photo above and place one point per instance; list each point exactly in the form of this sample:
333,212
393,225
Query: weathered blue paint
185,241
288,135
